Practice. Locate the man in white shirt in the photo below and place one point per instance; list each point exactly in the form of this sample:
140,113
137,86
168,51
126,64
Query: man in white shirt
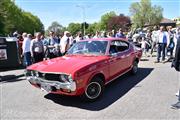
26,50
65,42
78,37
163,41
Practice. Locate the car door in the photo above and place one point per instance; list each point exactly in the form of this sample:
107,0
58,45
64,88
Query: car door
119,58
125,53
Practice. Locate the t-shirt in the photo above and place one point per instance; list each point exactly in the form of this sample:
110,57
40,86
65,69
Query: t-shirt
37,46
63,43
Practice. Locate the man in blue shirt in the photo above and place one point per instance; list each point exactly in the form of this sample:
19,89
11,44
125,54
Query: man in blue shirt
52,45
120,34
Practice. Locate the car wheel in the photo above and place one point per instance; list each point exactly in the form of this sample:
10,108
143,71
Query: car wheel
94,89
134,69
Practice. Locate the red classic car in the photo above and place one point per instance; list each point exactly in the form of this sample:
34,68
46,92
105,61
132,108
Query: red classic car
86,68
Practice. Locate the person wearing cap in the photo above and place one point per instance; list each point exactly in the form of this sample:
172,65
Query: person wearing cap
65,42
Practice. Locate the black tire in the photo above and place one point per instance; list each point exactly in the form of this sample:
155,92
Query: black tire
93,90
134,69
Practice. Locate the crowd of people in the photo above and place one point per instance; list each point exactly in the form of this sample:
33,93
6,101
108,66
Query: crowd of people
38,47
162,40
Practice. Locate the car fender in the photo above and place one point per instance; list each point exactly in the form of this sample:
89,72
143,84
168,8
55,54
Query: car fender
94,74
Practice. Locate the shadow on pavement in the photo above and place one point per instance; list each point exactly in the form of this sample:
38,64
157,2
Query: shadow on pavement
11,68
11,78
144,59
112,93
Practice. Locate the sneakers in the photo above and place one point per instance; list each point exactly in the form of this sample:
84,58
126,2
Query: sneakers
176,106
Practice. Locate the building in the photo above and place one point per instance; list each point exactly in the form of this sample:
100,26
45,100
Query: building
167,22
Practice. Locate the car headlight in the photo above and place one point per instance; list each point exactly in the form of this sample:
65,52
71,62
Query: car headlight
36,74
32,73
64,78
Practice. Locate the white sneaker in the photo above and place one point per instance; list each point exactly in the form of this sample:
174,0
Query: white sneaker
176,105
177,94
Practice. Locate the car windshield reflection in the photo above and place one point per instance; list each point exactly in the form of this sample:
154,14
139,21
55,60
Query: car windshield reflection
89,48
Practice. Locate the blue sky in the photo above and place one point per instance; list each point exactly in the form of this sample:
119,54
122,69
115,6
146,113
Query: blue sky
67,11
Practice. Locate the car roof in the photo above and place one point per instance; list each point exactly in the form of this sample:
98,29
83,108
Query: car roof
105,39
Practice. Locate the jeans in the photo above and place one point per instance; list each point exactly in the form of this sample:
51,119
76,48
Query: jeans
27,58
153,47
38,57
161,49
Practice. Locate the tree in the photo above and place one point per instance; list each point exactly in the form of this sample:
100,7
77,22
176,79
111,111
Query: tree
56,27
12,18
2,17
120,21
74,28
144,13
104,20
92,28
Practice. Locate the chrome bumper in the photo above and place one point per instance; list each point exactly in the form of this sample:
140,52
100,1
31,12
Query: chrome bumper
58,85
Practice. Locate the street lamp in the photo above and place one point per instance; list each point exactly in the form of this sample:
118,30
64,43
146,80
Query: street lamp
83,15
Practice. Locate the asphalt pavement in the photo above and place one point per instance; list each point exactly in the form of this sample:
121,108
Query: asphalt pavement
147,95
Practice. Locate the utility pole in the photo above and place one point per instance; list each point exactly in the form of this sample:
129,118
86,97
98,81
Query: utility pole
83,16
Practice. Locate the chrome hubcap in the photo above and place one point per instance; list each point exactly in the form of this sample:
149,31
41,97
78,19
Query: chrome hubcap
93,90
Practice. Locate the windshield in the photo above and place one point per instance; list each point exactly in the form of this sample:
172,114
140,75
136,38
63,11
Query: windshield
89,48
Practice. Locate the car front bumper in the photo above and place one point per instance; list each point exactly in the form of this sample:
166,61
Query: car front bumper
49,86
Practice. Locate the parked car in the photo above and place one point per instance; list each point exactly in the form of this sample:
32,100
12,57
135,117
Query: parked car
86,68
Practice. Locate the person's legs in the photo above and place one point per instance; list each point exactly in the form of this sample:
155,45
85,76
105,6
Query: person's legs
153,46
25,59
159,52
177,105
28,58
41,56
36,57
163,51
171,52
179,86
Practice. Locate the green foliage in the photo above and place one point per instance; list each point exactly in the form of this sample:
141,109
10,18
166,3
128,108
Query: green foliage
143,13
92,28
12,18
117,22
104,20
74,28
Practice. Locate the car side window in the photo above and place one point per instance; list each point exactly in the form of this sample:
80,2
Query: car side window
113,49
118,46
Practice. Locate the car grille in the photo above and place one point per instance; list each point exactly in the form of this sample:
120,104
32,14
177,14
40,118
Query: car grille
50,76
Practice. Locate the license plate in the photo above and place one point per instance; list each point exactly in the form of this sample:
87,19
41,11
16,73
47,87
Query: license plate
45,87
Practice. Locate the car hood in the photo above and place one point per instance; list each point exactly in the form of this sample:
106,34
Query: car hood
66,64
